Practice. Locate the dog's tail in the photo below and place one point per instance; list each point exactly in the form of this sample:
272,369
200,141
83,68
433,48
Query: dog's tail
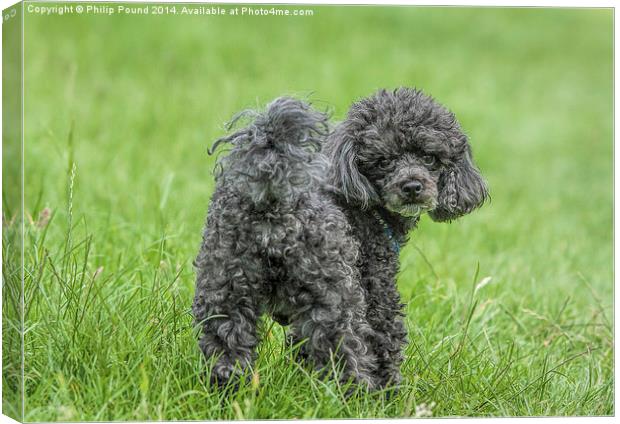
275,157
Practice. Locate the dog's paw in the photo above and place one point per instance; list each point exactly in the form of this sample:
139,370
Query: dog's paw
225,374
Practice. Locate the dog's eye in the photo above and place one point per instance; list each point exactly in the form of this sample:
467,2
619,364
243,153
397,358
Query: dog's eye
384,164
429,160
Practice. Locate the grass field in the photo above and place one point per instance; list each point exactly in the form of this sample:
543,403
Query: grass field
119,112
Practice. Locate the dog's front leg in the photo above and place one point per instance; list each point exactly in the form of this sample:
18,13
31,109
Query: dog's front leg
385,313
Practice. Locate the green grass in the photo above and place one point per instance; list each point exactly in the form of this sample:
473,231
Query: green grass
119,112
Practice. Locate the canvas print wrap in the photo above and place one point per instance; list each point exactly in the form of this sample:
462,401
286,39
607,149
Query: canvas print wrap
465,153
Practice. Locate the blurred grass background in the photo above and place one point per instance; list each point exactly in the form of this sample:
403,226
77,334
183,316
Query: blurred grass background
119,112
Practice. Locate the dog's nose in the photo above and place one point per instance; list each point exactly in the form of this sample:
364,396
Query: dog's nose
412,188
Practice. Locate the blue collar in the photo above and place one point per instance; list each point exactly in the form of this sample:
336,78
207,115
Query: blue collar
389,232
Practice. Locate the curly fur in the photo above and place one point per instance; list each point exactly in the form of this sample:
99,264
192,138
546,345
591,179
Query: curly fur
297,225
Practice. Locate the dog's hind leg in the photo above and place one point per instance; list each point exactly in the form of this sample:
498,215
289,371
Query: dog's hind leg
226,306
330,305
330,338
228,319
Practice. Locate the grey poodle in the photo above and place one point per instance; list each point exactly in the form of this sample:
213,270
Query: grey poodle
306,224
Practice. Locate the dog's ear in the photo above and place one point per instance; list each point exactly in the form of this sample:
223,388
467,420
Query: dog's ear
461,189
344,175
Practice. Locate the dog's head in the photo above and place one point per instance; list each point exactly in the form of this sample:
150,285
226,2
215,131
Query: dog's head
405,152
